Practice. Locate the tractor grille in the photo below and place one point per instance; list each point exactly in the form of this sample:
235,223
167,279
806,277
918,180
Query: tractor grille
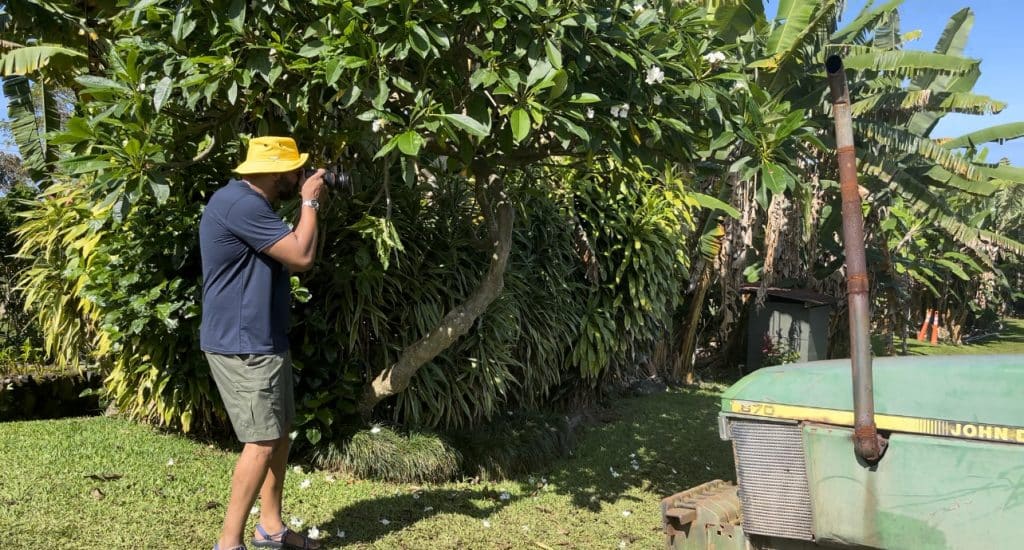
773,479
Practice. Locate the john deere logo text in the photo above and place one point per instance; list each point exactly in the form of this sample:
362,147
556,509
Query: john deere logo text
980,431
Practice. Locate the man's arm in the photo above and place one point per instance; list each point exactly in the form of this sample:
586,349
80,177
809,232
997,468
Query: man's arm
297,250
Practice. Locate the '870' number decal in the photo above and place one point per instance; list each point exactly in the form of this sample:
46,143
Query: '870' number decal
759,409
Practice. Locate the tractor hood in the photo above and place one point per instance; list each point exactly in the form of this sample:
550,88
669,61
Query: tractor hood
965,396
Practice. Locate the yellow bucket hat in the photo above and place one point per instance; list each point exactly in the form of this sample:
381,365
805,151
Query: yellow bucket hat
272,155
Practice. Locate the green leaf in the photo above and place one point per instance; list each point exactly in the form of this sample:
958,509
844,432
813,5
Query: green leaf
707,201
162,91
29,59
93,84
467,123
410,143
313,435
520,124
160,190
554,56
999,134
909,62
775,177
236,15
584,98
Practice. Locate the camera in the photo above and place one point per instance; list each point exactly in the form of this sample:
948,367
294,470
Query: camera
333,178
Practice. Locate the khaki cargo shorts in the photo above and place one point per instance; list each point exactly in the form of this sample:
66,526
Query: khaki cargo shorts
257,392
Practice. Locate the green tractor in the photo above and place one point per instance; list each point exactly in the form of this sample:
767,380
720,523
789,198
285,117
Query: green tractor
922,453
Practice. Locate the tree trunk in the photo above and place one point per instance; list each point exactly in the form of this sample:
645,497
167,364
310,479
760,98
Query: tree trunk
688,344
458,321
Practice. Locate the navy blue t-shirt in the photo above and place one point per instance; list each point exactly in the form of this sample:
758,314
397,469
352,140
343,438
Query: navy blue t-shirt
246,293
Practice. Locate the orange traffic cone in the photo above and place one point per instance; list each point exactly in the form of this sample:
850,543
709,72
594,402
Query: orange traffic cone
935,328
924,326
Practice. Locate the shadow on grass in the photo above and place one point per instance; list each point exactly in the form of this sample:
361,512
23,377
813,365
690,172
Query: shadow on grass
672,437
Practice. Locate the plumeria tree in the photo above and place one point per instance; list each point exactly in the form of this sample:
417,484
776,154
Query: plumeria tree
602,112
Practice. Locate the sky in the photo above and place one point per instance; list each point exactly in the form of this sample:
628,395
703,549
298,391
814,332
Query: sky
993,40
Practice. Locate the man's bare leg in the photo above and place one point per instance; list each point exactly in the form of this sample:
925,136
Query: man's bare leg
250,474
272,492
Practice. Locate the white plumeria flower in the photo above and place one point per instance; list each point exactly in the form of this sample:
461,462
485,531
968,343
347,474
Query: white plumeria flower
487,524
378,124
714,58
170,462
384,521
296,522
615,111
627,513
273,52
254,510
590,114
657,101
313,533
655,75
638,7
305,484
375,430
624,110
504,495
340,534
633,455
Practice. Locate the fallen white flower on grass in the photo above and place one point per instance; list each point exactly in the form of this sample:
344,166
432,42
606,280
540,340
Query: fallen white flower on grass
297,469
340,534
626,513
428,509
416,496
384,521
170,462
487,524
655,75
614,473
254,510
313,533
504,496
622,544
375,430
305,483
296,522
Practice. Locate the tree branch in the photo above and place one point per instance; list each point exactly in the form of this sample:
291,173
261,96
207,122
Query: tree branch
500,219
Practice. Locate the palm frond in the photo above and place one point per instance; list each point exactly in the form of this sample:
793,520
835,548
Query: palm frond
29,59
926,100
997,134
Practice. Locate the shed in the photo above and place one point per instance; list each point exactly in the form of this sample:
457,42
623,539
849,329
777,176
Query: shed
795,317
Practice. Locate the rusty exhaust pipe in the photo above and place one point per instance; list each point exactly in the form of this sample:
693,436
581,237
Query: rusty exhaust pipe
868,445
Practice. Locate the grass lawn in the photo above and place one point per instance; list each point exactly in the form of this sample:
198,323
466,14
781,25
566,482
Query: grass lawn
594,499
108,483
1009,340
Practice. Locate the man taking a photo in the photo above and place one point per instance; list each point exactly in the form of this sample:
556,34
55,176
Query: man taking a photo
248,255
